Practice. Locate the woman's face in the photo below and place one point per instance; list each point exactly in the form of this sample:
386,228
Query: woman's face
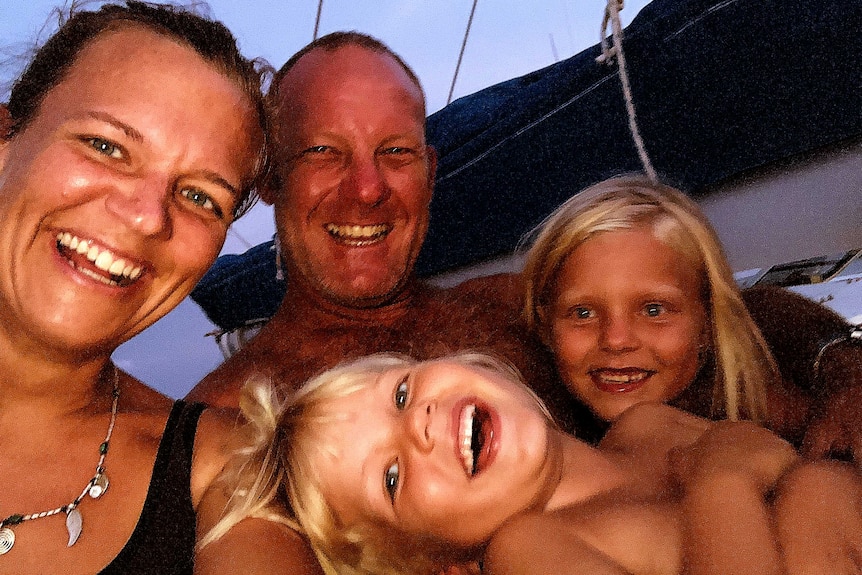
437,449
116,197
626,321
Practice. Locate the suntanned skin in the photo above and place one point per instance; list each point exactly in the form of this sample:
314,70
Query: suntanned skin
353,150
309,335
111,167
352,153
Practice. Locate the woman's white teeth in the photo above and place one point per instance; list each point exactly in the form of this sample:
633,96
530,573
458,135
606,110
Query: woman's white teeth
466,438
103,259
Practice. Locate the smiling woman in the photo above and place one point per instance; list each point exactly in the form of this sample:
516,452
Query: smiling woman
134,138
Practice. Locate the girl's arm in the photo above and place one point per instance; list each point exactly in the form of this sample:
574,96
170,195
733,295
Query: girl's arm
725,478
818,512
253,545
605,536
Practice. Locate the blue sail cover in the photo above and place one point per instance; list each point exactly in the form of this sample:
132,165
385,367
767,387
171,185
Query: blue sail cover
720,87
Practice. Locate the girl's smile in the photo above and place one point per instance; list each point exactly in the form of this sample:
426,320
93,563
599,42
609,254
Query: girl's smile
442,448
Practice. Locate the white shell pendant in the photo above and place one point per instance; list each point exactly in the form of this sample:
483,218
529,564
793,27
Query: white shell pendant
7,540
74,523
99,486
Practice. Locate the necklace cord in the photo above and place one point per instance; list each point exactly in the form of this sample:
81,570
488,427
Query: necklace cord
96,486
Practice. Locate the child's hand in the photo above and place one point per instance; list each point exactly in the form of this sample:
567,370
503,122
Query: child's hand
727,448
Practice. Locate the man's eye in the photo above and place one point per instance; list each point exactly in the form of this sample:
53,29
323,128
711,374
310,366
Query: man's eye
390,480
397,151
317,150
401,393
202,199
105,147
582,313
653,309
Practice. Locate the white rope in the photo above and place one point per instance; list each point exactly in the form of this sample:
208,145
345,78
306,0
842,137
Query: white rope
461,54
612,16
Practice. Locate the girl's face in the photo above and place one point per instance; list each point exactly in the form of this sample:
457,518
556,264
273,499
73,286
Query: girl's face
439,450
627,321
116,198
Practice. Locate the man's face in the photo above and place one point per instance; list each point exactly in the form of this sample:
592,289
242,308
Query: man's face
355,174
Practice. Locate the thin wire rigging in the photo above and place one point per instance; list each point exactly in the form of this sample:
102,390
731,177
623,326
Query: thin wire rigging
461,54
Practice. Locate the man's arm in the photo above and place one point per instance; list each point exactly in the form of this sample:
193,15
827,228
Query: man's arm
816,353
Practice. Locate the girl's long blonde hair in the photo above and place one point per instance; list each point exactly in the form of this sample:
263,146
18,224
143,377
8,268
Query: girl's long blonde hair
743,362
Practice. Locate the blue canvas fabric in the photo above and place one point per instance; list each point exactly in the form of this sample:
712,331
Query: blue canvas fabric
720,87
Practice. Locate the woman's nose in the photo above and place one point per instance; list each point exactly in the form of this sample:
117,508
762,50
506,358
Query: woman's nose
142,204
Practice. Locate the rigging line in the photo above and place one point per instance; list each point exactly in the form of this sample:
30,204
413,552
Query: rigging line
612,15
245,242
461,54
317,20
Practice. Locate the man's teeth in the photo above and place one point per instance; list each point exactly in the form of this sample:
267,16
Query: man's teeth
358,235
101,258
465,438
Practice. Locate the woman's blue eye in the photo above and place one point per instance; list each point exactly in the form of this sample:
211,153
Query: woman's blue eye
201,199
105,147
390,480
401,393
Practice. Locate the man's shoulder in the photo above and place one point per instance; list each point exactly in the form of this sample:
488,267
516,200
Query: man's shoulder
502,289
222,387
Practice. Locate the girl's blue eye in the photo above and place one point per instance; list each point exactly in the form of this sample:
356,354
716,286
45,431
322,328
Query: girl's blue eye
401,393
390,480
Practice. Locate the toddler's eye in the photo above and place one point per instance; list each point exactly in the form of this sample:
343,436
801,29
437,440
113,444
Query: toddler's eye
401,393
105,147
390,480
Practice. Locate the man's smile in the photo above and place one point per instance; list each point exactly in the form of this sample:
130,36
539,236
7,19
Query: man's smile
356,235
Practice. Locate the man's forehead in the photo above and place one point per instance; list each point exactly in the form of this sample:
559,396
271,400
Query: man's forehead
322,65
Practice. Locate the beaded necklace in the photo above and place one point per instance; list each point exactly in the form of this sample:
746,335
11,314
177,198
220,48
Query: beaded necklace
97,486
